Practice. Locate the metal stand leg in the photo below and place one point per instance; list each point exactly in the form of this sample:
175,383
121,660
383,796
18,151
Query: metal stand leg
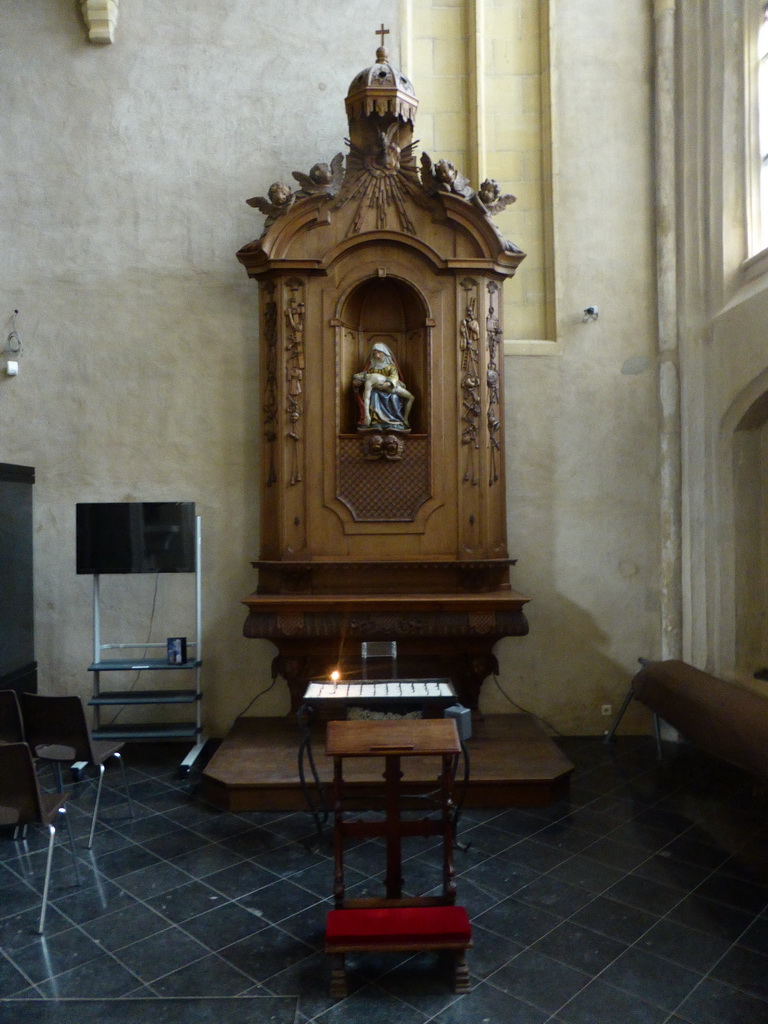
608,738
96,806
47,882
657,733
63,812
319,810
125,783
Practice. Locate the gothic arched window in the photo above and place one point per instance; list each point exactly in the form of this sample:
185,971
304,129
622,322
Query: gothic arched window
760,240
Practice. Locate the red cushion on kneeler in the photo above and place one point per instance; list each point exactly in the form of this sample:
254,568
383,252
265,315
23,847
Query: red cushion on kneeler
397,924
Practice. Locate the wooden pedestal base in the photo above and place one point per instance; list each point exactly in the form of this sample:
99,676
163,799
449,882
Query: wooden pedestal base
438,635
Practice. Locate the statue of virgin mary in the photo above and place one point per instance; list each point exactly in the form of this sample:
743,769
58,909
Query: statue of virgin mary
383,399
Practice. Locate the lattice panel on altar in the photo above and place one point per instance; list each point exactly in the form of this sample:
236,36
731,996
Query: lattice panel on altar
382,478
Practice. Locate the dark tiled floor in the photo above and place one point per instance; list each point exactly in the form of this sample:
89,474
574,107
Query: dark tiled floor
640,899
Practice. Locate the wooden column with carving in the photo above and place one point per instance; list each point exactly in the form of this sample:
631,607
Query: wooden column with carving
383,511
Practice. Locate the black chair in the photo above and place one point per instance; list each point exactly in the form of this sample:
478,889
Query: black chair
11,724
57,731
22,803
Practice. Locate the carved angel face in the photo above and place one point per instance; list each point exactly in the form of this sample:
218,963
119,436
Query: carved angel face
391,447
375,445
321,174
279,194
489,191
445,172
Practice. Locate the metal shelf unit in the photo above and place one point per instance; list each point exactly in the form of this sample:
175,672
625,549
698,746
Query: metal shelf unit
192,695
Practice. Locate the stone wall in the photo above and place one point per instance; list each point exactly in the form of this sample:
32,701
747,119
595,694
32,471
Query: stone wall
125,168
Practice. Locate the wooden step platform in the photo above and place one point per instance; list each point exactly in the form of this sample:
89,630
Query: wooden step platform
513,763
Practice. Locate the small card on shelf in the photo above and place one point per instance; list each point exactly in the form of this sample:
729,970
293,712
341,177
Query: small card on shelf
177,650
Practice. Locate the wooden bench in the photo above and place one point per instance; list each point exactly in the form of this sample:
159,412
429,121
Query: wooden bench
397,930
725,718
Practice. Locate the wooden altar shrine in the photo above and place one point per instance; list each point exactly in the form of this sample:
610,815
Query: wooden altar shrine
383,512
383,507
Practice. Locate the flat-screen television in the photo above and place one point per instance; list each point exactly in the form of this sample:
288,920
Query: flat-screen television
135,536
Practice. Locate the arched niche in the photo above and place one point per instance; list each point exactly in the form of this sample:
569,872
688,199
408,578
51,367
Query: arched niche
390,310
750,491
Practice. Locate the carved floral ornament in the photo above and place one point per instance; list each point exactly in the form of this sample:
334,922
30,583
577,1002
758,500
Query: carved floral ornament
100,18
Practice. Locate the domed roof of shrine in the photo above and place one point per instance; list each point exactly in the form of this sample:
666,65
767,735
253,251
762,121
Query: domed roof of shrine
381,75
382,89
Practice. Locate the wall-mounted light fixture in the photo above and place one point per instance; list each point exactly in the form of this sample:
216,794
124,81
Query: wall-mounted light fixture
590,313
14,348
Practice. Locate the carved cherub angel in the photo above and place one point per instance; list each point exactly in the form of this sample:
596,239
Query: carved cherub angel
323,179
443,177
490,197
280,200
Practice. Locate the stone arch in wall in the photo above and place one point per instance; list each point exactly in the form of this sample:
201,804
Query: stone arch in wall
750,486
743,506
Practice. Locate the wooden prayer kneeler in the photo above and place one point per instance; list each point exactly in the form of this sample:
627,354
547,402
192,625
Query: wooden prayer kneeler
395,924
397,929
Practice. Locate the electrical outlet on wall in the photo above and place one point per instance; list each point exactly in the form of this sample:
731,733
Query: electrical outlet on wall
606,710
